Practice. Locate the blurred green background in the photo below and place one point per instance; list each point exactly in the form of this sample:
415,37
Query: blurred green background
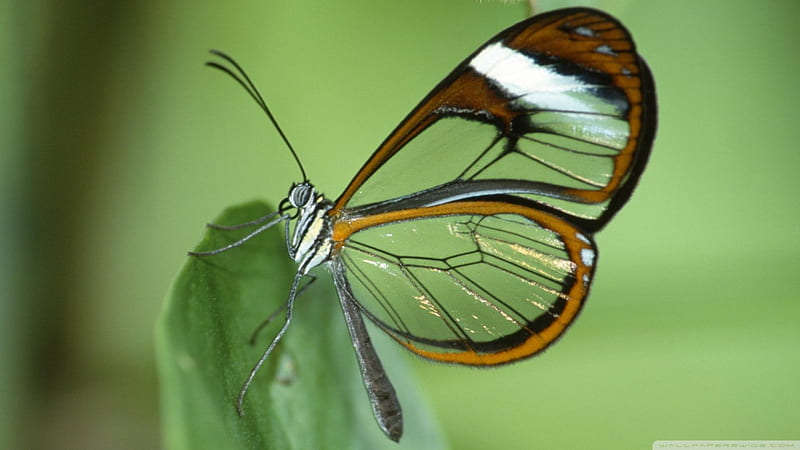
117,146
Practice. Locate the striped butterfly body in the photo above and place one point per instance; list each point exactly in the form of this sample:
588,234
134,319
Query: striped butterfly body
467,235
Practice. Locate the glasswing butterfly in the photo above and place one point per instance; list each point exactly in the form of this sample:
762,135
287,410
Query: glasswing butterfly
467,235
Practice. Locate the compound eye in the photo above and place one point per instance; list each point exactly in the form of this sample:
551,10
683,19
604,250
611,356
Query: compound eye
300,195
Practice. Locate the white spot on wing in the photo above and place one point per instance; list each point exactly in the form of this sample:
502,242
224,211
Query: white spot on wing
583,31
606,49
587,256
533,83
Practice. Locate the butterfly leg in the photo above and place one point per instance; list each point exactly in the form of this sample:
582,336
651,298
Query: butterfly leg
280,309
275,340
242,240
243,225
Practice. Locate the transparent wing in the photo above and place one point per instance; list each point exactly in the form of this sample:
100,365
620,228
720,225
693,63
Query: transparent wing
558,109
474,282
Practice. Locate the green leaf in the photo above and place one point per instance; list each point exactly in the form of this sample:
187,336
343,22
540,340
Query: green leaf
307,395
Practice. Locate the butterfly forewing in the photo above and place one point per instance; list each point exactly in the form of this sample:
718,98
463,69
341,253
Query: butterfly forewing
558,109
478,283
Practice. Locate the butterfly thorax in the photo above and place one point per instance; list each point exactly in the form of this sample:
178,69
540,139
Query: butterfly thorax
311,242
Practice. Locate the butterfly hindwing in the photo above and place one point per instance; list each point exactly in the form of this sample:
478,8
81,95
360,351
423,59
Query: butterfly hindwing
473,282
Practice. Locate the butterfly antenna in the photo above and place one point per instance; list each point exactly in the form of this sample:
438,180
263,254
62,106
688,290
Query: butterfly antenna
251,89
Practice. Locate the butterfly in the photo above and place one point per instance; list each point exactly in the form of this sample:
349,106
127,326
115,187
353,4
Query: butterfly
467,236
